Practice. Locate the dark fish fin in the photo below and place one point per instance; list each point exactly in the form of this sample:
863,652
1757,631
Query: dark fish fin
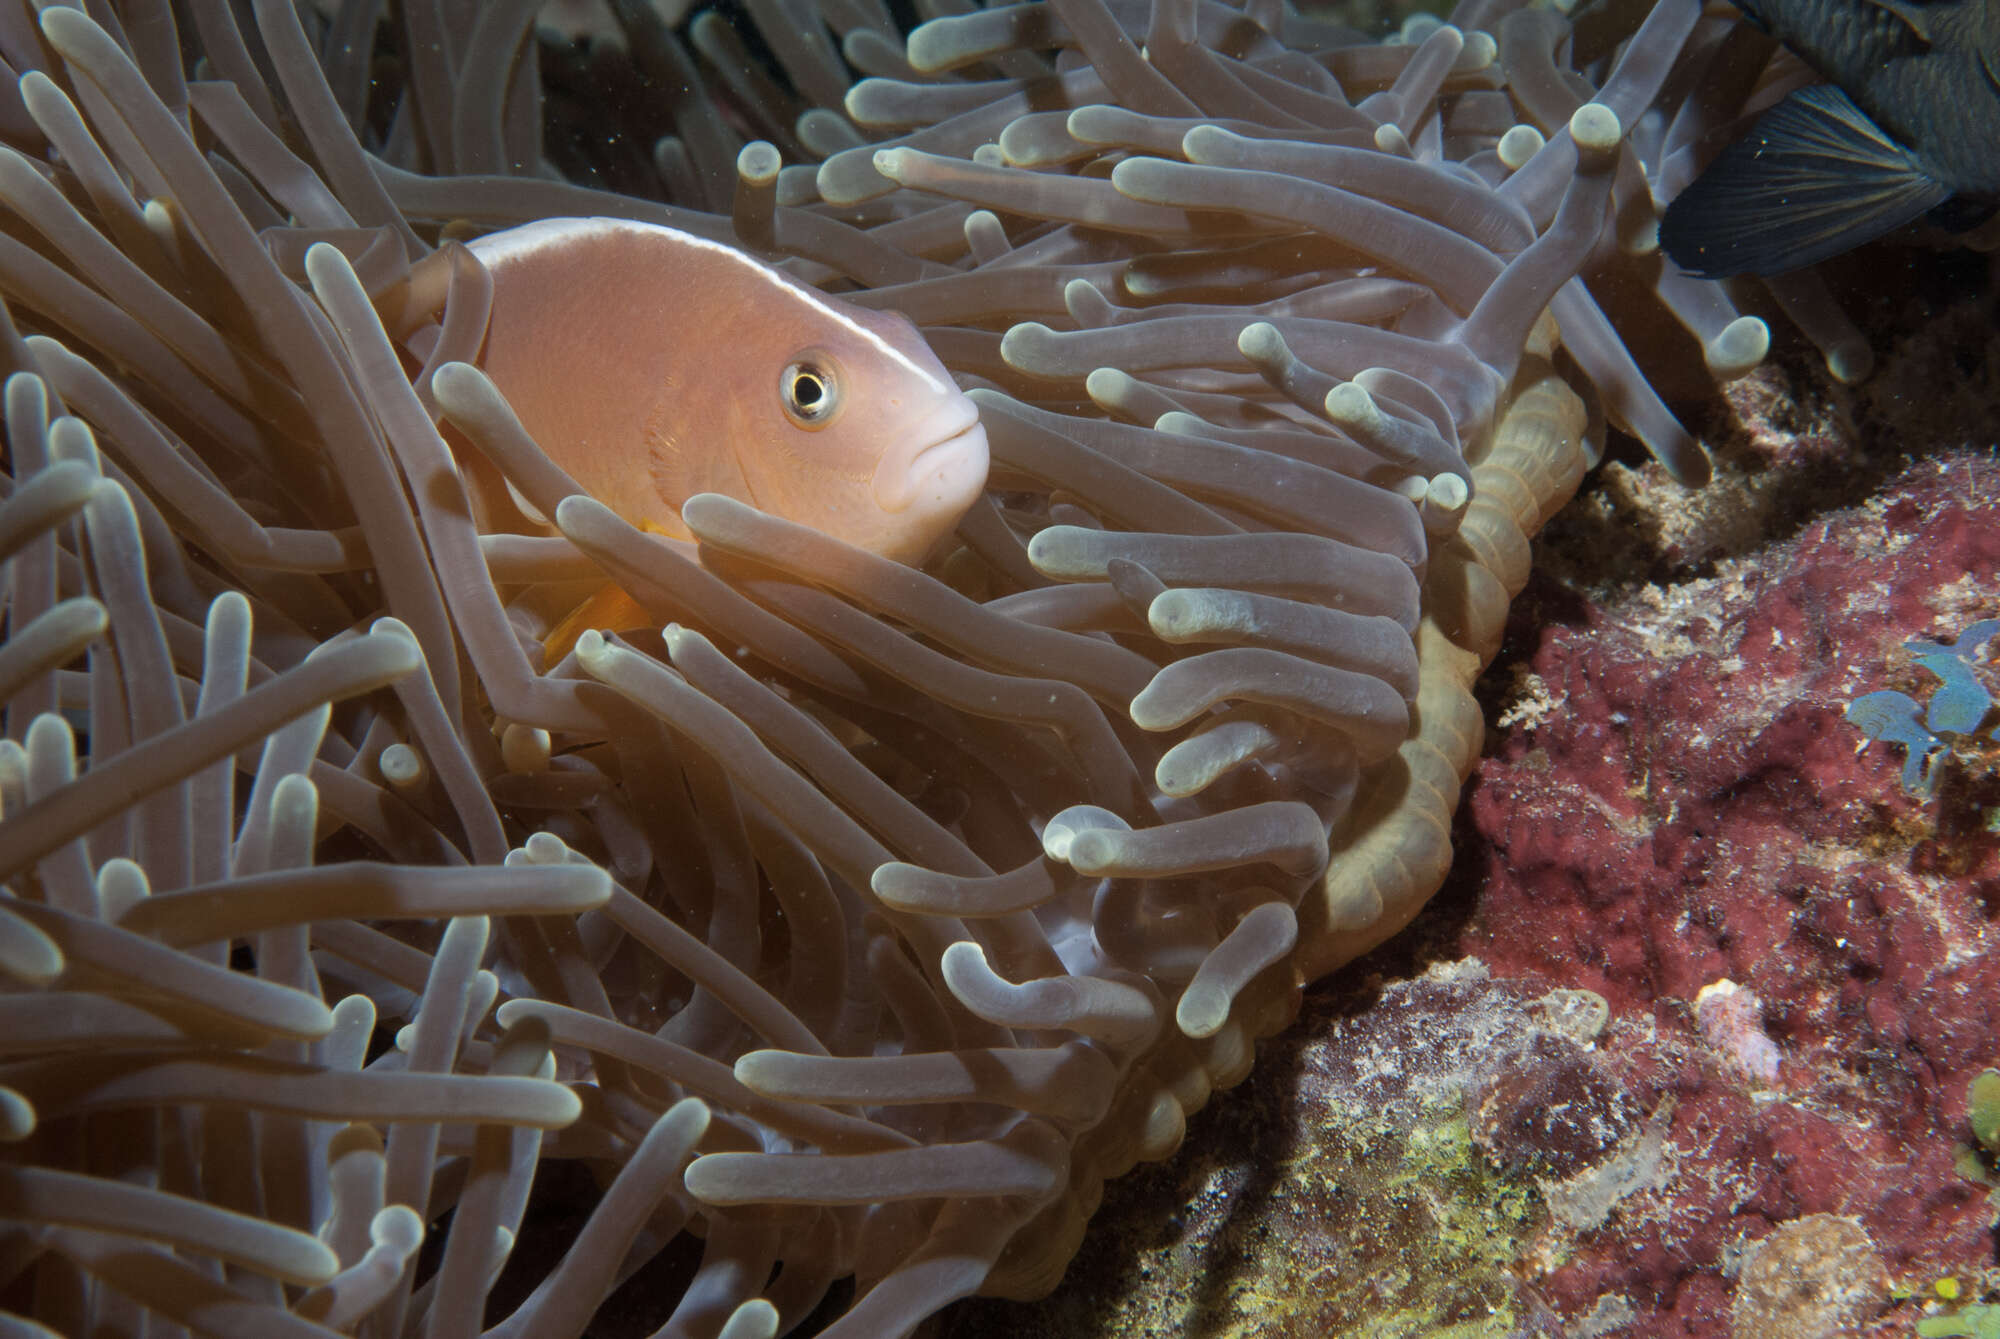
1916,17
1813,178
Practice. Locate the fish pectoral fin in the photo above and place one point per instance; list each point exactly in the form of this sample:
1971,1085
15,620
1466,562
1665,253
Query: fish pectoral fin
1813,178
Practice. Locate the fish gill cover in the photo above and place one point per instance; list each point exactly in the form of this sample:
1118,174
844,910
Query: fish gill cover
848,924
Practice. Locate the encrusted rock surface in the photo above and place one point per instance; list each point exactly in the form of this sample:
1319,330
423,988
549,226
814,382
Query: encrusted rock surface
1799,958
1357,1183
1682,1050
1816,1277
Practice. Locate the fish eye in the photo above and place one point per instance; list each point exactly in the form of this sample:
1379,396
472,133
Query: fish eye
809,392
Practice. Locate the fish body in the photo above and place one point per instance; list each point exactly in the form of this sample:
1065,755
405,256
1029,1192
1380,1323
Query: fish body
1908,125
652,365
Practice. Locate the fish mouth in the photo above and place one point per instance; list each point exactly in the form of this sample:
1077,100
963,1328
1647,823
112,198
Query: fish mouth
948,470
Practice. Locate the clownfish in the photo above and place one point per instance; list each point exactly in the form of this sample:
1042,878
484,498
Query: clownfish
652,365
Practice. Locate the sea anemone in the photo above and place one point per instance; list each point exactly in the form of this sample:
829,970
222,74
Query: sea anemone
847,921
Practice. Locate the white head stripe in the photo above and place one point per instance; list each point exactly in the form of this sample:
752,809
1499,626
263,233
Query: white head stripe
529,238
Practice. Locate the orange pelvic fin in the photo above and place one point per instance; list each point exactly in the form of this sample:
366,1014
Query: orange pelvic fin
610,608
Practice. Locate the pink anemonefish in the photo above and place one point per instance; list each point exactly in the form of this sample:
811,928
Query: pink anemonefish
652,365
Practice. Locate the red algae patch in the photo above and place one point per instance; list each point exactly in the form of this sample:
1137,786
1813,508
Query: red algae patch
1799,957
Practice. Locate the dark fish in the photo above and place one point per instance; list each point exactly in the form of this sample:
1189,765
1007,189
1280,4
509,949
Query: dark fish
1908,126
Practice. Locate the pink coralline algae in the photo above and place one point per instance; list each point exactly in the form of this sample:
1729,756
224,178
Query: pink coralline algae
1679,804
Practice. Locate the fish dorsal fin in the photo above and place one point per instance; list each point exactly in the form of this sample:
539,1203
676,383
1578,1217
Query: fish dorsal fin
1814,177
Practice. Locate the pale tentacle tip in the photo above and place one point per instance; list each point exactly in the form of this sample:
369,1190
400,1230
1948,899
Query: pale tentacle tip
1596,131
1738,349
1351,406
1389,138
1261,342
1518,145
1850,363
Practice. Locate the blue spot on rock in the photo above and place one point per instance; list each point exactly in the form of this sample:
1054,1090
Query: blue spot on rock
1895,718
1960,706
